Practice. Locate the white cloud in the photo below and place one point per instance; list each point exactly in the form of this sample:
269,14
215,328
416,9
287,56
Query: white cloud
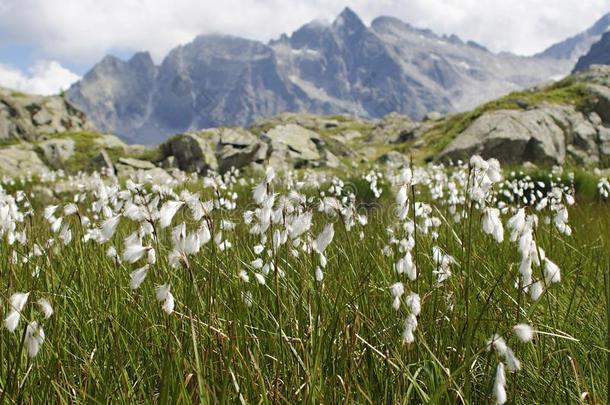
82,31
45,78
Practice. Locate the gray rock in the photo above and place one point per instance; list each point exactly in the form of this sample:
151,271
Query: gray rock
102,163
20,159
57,151
136,163
293,145
514,136
26,117
601,104
216,149
108,141
169,163
433,116
238,148
396,128
394,159
193,152
42,117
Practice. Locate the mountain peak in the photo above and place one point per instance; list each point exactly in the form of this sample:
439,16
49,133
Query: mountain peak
141,59
600,26
349,20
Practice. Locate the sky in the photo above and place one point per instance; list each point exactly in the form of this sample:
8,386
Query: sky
46,45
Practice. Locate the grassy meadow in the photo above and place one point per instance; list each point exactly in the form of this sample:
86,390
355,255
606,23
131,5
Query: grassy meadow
283,288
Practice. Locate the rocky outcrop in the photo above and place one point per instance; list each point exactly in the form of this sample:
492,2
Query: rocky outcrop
57,151
295,146
214,149
283,146
28,117
21,159
549,134
396,128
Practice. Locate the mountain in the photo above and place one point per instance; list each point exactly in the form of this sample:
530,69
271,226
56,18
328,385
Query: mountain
576,46
599,54
341,67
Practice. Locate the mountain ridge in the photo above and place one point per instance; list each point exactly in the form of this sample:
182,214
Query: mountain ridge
341,67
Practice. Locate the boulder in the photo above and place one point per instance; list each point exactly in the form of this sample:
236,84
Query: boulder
309,121
26,117
393,159
536,135
293,145
193,152
107,141
21,159
102,163
396,128
135,163
238,148
433,116
216,149
600,100
57,151
154,176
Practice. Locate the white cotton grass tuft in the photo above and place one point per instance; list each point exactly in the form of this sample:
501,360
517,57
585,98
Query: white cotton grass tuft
259,278
499,388
552,274
137,277
319,274
397,290
324,238
499,344
109,228
413,301
34,337
408,335
243,275
492,224
164,296
45,307
134,252
536,290
12,320
524,332
18,301
168,211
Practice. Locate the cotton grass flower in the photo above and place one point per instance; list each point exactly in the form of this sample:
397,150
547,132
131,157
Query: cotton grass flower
499,387
34,337
408,336
109,228
168,211
324,238
164,296
524,332
492,224
45,307
397,290
17,301
552,273
137,277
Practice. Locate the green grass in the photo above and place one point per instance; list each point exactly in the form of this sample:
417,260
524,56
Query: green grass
304,341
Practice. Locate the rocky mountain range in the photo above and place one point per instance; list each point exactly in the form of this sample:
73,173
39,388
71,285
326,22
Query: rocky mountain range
599,54
344,67
562,122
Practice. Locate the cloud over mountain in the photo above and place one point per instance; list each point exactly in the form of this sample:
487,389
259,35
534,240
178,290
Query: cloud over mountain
44,77
83,31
